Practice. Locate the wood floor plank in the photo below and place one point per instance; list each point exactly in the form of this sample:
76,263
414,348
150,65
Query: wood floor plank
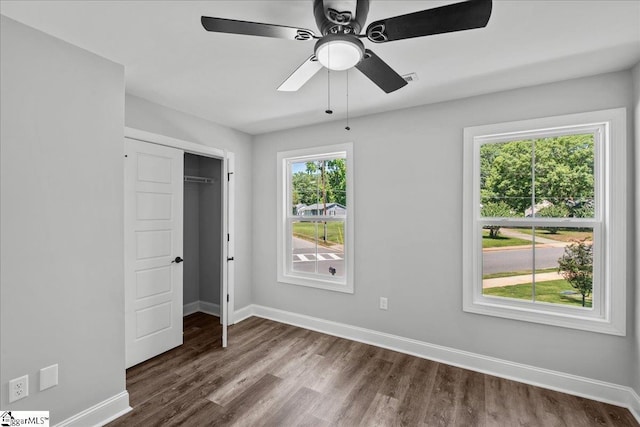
397,381
441,407
618,416
470,399
363,393
243,403
273,374
382,411
413,408
294,411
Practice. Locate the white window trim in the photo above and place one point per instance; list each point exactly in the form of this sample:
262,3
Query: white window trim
285,273
609,313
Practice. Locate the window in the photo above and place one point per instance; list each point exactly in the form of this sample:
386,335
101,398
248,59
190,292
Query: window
315,217
544,220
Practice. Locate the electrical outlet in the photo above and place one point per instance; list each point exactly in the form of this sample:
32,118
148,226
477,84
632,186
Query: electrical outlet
18,388
384,303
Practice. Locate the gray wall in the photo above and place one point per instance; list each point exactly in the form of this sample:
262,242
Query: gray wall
61,292
413,157
151,117
636,102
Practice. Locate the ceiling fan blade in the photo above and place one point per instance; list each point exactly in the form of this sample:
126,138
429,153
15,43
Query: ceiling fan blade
232,26
301,75
445,19
380,73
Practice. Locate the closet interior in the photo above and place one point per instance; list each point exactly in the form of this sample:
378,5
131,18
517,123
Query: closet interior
202,274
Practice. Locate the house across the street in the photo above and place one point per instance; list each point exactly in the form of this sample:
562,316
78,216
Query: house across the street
332,209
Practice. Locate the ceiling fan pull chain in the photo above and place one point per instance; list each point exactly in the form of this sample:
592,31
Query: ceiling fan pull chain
347,127
329,110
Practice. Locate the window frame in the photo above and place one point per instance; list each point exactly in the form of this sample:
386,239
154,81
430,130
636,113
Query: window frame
608,313
285,218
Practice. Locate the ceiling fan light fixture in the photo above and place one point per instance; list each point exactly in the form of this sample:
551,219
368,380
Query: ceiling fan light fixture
339,52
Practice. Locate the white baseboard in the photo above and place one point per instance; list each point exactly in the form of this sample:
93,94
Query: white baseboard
100,414
210,308
244,313
190,308
202,306
554,380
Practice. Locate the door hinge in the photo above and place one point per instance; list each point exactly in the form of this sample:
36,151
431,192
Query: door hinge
227,297
228,237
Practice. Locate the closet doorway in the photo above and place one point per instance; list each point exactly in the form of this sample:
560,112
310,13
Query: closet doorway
178,240
202,271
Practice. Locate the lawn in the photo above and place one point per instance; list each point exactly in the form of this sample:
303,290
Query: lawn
307,231
551,292
561,236
501,241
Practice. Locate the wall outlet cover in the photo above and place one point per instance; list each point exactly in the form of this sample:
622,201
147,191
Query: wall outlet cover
18,388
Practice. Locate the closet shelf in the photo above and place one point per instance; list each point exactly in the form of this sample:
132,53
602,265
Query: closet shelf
199,179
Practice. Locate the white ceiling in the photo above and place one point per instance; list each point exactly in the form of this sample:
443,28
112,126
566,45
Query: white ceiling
231,79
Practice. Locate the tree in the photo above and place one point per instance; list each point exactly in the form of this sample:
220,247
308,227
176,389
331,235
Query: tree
495,209
554,211
505,170
337,181
305,189
558,169
576,266
323,181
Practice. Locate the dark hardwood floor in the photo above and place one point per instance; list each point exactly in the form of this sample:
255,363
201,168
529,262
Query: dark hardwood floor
274,374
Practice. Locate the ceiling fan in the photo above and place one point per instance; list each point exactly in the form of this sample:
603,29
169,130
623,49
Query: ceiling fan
340,47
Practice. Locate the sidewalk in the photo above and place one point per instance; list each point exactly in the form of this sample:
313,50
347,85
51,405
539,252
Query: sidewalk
524,236
519,280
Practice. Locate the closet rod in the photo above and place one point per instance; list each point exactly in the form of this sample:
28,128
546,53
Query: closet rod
199,179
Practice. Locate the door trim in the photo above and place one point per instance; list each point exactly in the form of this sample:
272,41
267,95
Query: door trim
228,159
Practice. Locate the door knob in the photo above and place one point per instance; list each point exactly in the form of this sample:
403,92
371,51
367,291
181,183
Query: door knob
178,260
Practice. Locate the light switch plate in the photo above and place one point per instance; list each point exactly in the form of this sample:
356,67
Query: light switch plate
48,377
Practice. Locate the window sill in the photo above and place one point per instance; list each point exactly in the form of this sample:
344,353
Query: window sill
579,319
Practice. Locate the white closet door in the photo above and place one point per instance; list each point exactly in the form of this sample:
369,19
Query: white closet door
153,249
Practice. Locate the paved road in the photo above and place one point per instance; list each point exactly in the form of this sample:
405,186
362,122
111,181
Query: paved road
305,257
519,259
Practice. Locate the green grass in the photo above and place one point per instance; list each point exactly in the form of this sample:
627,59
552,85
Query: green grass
307,231
550,292
501,241
517,273
563,235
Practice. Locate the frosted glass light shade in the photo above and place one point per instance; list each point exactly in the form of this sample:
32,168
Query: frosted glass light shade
339,53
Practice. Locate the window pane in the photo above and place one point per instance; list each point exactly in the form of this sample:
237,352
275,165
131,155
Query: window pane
564,176
331,250
319,187
505,178
564,266
318,247
507,262
304,244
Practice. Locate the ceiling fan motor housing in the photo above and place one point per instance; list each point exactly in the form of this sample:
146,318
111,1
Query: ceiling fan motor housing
331,20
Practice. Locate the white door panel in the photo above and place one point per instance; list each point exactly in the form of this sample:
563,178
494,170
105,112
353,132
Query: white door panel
153,239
